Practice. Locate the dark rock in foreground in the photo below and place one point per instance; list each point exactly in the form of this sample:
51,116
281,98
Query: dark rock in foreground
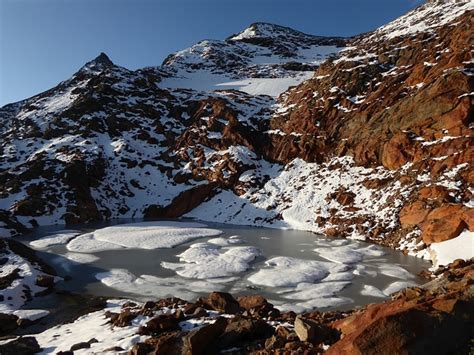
434,319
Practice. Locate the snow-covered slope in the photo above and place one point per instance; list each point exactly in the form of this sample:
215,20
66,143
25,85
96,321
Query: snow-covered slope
133,132
263,59
424,19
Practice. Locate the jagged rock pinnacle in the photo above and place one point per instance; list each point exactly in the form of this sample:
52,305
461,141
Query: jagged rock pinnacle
101,62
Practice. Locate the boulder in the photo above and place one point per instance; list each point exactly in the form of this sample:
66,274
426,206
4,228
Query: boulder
199,312
160,324
252,301
345,198
394,152
240,330
310,331
8,323
45,281
222,302
183,203
413,214
79,346
169,343
305,329
198,341
274,342
407,326
440,230
123,319
258,305
22,345
443,223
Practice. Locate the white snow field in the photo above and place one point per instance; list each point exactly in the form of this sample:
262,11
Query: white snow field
207,81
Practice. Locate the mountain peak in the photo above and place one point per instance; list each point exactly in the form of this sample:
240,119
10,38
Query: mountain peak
98,64
261,30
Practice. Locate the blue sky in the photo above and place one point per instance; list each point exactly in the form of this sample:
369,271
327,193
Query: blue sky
45,41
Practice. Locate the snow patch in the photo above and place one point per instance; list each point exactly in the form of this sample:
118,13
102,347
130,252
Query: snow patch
144,235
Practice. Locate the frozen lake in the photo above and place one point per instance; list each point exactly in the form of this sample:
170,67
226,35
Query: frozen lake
295,270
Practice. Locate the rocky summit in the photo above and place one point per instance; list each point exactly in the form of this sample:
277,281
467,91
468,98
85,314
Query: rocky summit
369,137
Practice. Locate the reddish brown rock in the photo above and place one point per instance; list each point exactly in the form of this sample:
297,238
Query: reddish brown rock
443,223
311,331
434,192
436,231
413,214
395,152
252,301
241,330
222,302
198,341
160,324
123,319
257,305
433,319
345,198
181,204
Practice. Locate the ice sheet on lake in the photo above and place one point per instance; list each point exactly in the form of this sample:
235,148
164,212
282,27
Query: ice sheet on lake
286,271
62,237
207,261
397,286
372,291
81,258
223,242
395,271
342,254
157,287
302,283
349,254
144,235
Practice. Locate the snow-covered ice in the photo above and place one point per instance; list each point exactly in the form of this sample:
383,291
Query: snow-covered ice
207,261
144,235
342,254
395,271
81,258
372,291
397,286
62,237
146,286
284,271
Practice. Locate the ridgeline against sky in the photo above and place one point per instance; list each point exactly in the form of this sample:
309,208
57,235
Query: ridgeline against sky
43,42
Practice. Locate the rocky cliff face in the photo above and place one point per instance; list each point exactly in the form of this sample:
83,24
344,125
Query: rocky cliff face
374,139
